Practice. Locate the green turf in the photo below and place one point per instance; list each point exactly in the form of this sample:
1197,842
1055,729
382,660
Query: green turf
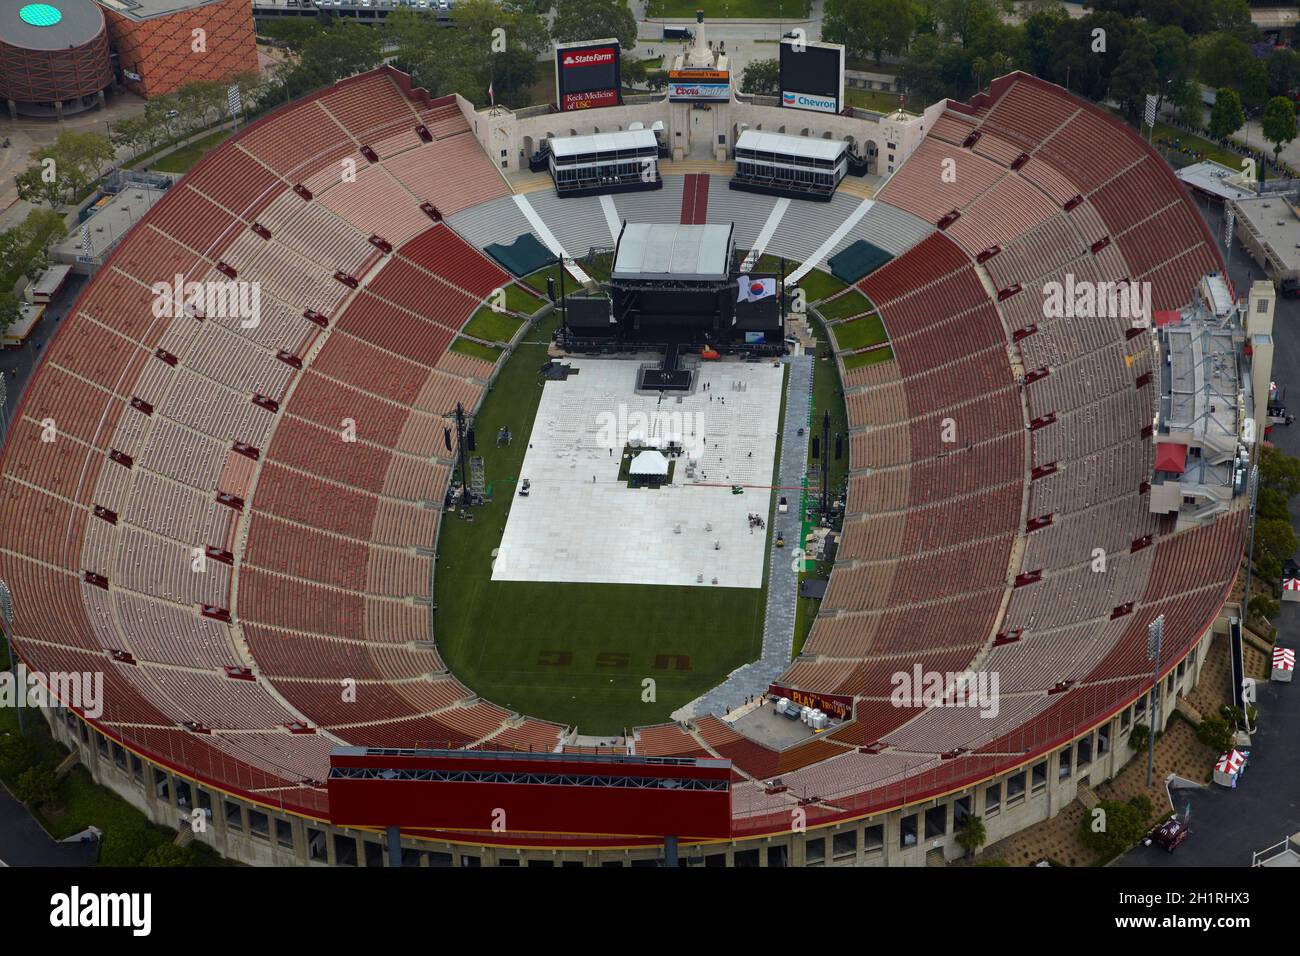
859,333
488,353
497,636
827,397
184,159
878,101
861,359
852,302
818,284
724,9
492,326
521,301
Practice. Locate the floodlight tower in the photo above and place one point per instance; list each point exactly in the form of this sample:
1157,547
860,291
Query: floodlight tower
7,615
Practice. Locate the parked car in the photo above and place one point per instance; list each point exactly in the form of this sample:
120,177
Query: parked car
1169,834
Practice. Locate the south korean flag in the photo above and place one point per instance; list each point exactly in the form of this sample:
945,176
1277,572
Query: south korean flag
752,290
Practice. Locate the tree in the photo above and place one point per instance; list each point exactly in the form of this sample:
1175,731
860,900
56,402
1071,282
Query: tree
36,786
1139,737
1275,541
126,845
1188,108
594,20
873,27
761,77
292,34
168,855
1279,472
1226,116
17,753
1134,77
1220,59
1279,123
1283,71
1037,50
131,132
1121,826
1172,58
971,833
1215,733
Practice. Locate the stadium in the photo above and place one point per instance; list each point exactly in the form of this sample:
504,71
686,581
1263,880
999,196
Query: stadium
264,533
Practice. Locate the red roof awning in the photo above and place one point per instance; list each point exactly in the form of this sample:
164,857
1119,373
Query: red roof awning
1165,317
1171,456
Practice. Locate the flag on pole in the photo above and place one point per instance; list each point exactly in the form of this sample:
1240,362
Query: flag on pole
491,96
233,101
751,290
1229,220
85,236
1151,110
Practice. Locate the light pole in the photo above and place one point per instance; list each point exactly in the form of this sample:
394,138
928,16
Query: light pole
1155,636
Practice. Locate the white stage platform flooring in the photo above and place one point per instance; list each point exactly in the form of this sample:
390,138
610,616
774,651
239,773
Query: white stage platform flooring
574,529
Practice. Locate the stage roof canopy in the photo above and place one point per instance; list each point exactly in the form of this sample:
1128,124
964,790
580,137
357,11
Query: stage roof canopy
668,251
781,144
619,141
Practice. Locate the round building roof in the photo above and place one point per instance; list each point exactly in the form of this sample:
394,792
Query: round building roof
56,25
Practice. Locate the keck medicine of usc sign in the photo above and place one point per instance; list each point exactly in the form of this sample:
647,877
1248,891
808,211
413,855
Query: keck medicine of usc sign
587,77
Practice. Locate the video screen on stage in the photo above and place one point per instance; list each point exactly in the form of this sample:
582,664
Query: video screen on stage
812,77
587,75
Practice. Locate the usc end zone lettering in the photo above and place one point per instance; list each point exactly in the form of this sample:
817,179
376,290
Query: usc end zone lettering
663,662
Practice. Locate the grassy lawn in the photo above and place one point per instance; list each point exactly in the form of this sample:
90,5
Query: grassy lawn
488,353
537,280
498,637
859,333
184,159
734,9
1204,147
851,303
826,398
878,101
818,285
862,359
521,301
492,326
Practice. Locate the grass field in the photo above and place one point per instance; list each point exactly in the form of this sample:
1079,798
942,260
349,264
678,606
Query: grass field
874,357
734,9
818,285
488,353
859,333
826,397
183,160
851,303
878,101
603,640
492,326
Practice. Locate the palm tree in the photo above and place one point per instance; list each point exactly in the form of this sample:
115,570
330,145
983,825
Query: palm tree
971,833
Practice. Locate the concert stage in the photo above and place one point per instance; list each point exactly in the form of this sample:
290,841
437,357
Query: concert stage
690,531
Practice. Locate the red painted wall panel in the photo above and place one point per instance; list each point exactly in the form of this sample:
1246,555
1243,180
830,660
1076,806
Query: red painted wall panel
533,807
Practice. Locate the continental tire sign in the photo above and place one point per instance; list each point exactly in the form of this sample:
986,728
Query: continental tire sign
587,75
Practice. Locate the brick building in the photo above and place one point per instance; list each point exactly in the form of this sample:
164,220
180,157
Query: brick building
159,49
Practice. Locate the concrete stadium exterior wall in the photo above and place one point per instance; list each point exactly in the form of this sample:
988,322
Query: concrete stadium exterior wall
509,138
262,835
161,49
